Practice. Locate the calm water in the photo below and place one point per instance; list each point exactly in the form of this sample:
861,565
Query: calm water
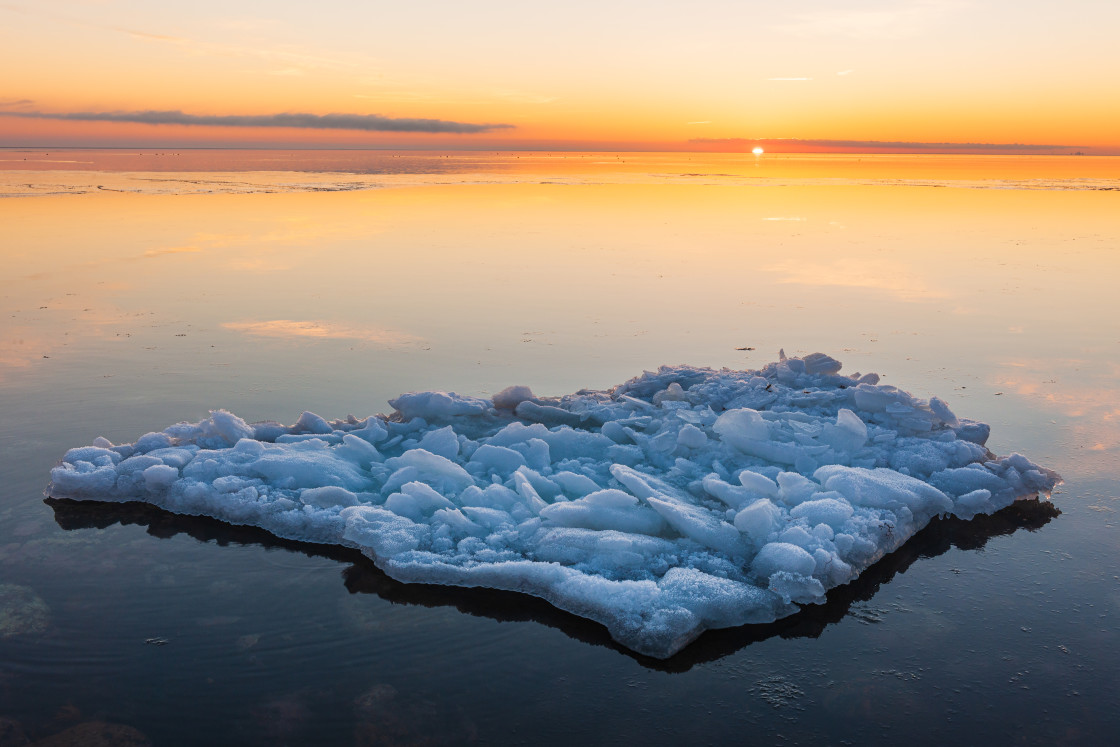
143,289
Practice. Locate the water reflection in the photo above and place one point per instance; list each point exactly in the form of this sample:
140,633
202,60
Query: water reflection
361,576
893,279
291,328
1081,393
1001,301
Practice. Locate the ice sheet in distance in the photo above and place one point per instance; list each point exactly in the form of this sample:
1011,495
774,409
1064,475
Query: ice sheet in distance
682,500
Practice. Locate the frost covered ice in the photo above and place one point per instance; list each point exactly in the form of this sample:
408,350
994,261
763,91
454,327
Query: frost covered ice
682,500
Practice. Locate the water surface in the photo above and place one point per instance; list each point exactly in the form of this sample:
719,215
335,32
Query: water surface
269,284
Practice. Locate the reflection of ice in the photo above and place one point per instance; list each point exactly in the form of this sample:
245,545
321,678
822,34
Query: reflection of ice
362,577
682,500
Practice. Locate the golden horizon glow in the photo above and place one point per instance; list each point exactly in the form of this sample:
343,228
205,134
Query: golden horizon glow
716,75
961,270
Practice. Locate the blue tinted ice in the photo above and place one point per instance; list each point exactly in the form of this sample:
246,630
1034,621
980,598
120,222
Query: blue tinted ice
682,500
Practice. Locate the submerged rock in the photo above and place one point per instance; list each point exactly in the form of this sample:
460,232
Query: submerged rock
22,612
96,734
384,719
11,733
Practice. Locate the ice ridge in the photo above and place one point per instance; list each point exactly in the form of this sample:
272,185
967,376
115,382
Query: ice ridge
682,500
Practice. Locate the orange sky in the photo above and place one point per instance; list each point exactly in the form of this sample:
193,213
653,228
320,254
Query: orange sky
710,75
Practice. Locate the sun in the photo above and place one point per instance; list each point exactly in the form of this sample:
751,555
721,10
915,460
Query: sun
757,150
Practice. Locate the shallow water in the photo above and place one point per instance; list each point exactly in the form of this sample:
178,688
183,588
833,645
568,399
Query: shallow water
125,312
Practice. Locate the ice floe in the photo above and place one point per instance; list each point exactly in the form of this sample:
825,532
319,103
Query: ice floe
682,500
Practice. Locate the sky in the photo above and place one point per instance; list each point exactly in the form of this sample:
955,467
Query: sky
865,75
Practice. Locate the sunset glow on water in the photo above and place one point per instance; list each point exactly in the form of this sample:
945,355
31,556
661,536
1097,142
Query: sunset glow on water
253,291
298,214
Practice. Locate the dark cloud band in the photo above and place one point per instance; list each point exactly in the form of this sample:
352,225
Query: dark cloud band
361,122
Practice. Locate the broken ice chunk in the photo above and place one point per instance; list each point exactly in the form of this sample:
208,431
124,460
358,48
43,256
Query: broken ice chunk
682,500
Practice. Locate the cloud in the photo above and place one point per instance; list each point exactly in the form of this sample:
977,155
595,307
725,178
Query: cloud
283,56
172,250
288,57
845,72
7,103
400,92
789,144
145,35
362,122
399,96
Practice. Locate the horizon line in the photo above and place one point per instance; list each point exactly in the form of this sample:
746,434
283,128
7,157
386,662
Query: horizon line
932,149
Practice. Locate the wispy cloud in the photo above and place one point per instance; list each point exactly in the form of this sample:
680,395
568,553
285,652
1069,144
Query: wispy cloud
9,103
430,90
845,72
362,122
284,56
397,96
172,250
149,36
290,57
